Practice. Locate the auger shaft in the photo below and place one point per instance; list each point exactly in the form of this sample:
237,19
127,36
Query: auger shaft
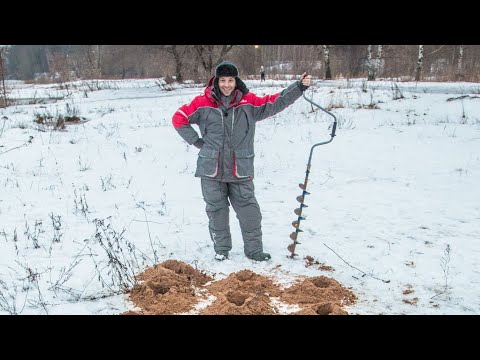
301,197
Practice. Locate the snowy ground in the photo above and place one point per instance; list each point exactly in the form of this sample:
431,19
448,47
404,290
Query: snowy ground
394,205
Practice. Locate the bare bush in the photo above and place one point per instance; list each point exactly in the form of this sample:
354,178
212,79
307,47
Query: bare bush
8,298
397,93
34,234
80,204
122,259
445,265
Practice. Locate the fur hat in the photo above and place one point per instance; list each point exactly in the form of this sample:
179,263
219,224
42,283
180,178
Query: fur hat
226,68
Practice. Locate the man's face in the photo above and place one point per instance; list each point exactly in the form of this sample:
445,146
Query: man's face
226,84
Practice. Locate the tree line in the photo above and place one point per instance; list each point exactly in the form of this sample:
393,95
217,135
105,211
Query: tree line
196,62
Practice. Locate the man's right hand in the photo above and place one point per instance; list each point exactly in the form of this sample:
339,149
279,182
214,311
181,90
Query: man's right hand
199,143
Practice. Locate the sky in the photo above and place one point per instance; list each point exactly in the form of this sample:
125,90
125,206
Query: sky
393,212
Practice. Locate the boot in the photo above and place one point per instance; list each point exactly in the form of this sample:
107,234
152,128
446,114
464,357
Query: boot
221,255
260,256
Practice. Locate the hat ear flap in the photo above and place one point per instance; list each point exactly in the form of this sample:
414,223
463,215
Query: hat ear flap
241,86
216,88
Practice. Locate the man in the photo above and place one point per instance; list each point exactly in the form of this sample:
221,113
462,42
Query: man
226,114
262,74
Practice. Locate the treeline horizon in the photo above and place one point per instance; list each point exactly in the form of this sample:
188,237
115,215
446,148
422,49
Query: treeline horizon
63,63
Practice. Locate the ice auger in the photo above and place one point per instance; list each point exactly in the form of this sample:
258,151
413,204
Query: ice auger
301,197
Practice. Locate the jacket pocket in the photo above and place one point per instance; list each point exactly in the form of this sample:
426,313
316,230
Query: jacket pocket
243,164
207,163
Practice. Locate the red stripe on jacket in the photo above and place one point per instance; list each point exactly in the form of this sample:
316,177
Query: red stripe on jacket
181,116
260,101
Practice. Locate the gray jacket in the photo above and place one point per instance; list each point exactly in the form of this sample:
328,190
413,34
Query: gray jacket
228,130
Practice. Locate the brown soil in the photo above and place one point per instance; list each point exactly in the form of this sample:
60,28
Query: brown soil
242,293
168,288
173,287
320,295
310,261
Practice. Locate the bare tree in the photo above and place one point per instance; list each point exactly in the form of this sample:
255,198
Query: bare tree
244,57
379,52
326,61
211,55
122,61
178,52
305,59
418,68
380,61
370,65
88,64
3,75
58,63
278,54
98,56
460,60
374,66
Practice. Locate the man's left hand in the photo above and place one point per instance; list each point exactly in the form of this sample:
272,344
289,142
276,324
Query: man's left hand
306,79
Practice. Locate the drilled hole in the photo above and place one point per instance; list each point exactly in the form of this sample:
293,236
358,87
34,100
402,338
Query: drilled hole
236,297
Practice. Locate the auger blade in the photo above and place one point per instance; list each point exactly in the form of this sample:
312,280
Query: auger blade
303,205
300,198
302,186
302,218
293,236
298,211
306,193
296,224
291,248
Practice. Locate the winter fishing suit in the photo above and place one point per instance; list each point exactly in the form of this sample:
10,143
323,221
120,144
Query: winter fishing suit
225,160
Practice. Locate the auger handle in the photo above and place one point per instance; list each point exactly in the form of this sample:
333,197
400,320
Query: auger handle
334,128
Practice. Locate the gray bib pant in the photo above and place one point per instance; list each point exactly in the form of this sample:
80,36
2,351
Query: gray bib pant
242,197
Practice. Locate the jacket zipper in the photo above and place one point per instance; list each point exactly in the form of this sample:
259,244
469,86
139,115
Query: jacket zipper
220,159
233,119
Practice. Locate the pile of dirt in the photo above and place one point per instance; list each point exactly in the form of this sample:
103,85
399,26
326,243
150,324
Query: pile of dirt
242,293
167,288
319,295
173,287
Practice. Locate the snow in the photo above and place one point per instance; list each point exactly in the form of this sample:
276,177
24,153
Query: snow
394,203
